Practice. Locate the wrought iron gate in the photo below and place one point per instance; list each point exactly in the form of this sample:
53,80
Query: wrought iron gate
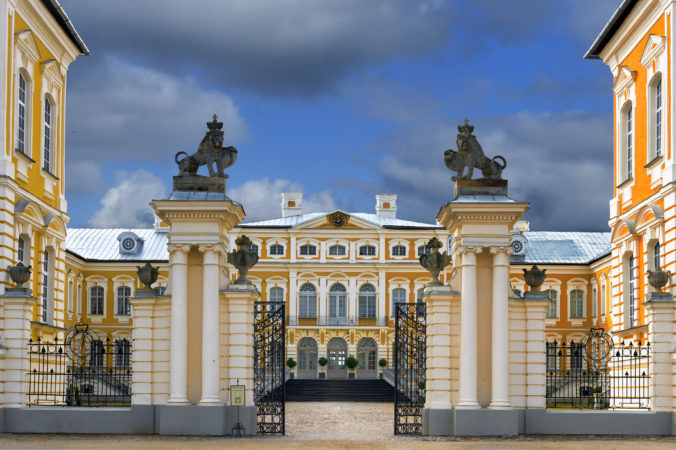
409,368
269,360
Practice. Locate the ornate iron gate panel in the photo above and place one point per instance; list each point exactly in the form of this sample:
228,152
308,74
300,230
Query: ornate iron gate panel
269,360
409,368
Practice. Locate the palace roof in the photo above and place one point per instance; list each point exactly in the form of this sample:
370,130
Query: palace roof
610,29
381,221
101,244
563,247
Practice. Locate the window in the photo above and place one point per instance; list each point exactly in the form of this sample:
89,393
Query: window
399,250
398,296
123,306
656,256
603,300
594,301
96,301
308,302
276,297
367,250
70,296
337,250
551,356
576,304
632,299
629,144
22,126
367,302
577,352
79,298
552,310
338,305
308,249
276,249
658,118
20,250
253,249
97,353
47,146
422,250
122,353
45,287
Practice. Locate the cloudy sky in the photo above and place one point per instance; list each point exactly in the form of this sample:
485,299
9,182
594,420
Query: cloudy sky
342,100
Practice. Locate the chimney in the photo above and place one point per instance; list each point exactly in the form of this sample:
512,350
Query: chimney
386,205
292,203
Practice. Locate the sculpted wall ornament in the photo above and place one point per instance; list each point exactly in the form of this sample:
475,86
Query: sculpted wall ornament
19,274
243,259
470,155
147,275
534,278
433,260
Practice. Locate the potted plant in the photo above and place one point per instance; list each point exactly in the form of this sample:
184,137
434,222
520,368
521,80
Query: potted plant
322,363
598,397
351,363
382,363
291,363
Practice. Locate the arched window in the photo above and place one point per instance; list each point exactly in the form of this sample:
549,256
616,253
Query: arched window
399,250
337,250
594,301
22,126
338,305
367,250
603,300
632,299
655,118
367,353
276,249
276,298
253,249
307,302
123,306
552,310
422,250
656,256
398,296
367,301
308,250
47,285
628,142
70,296
576,304
122,353
48,138
96,301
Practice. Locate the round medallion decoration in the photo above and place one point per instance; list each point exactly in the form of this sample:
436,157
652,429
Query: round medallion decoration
338,220
517,246
128,244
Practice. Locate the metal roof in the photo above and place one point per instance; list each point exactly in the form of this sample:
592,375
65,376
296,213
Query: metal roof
563,247
66,25
610,29
101,244
199,195
381,221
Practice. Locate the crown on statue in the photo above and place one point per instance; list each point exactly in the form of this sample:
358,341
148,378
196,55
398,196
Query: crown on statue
434,243
243,240
466,128
215,124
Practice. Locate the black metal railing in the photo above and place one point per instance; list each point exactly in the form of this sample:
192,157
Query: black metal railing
595,373
84,370
269,362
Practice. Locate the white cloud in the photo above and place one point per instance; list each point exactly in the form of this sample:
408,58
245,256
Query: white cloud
262,198
126,204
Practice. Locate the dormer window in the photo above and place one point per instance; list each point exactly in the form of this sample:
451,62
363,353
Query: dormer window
130,243
367,250
276,249
337,250
308,250
399,250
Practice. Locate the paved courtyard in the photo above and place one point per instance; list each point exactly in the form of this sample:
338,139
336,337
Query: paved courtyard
333,425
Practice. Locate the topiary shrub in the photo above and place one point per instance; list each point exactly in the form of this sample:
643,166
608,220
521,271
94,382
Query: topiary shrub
291,363
351,363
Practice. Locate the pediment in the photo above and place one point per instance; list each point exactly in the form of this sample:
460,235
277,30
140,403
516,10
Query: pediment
337,219
625,77
27,44
653,47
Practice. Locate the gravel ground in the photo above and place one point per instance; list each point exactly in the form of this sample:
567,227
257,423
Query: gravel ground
332,426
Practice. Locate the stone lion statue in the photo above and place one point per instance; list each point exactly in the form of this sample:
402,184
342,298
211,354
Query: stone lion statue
209,153
470,155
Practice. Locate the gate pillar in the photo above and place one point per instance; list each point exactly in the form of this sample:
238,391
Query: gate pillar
660,310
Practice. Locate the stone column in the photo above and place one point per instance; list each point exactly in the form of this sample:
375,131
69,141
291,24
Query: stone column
240,300
536,364
468,331
660,317
437,415
500,337
142,337
210,322
178,363
17,313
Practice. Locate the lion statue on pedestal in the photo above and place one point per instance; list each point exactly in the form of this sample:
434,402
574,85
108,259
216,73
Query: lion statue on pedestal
209,153
470,155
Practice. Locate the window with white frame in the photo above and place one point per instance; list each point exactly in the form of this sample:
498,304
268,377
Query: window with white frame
657,130
79,299
422,250
123,305
46,286
276,249
47,136
367,250
307,304
96,300
398,296
656,256
20,250
367,301
603,300
337,250
70,296
399,250
594,301
552,309
628,142
655,118
22,115
576,301
253,249
276,297
308,250
122,353
632,300
337,305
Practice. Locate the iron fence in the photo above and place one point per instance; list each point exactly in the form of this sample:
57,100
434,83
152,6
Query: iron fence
595,373
85,369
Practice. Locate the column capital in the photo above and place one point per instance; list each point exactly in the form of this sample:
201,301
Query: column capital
218,248
183,248
462,249
502,248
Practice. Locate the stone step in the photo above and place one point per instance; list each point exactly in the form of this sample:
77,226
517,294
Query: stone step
339,390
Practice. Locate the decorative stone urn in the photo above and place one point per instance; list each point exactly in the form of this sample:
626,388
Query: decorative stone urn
243,259
19,274
147,275
658,279
434,261
534,278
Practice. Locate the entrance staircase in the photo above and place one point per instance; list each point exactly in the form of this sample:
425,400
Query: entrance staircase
338,391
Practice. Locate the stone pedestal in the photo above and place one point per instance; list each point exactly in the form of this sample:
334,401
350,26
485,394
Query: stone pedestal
16,311
660,316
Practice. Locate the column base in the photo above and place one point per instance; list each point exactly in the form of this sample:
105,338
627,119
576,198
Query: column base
178,401
500,404
210,401
467,404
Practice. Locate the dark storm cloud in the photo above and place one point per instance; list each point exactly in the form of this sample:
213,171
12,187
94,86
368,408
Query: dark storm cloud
268,46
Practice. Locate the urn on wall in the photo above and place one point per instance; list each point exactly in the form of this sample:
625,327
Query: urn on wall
658,278
19,274
534,278
147,275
